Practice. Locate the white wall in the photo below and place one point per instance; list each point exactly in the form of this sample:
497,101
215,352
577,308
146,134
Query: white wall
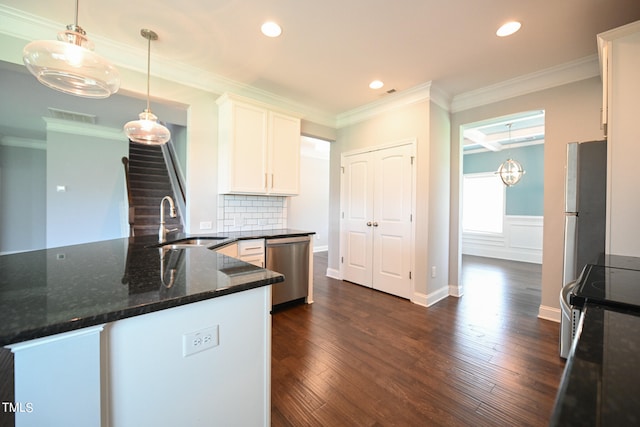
521,240
310,209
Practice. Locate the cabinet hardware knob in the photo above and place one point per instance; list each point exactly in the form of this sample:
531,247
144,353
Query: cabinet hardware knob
368,223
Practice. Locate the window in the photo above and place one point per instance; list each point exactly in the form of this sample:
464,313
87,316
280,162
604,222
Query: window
482,203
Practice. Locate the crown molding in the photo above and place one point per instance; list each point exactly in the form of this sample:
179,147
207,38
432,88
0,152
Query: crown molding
388,103
16,23
84,129
27,27
566,73
16,141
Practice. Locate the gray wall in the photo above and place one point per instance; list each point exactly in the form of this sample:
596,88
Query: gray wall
572,113
94,205
428,124
22,198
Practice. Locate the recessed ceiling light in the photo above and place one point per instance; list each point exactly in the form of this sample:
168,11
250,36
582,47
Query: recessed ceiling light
508,29
271,29
376,84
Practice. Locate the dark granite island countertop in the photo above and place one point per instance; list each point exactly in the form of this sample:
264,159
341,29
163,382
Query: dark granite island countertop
225,238
601,383
56,290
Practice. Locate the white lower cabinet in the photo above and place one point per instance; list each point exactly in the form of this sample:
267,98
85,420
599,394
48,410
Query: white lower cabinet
229,250
252,252
58,380
139,371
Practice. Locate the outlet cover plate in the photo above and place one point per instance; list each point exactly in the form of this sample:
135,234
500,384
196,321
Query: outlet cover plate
195,342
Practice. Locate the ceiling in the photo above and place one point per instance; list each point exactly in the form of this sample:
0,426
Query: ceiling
330,50
496,134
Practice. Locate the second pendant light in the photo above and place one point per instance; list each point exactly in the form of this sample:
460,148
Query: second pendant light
147,130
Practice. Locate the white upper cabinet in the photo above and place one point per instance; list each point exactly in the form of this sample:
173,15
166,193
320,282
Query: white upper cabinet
620,60
258,148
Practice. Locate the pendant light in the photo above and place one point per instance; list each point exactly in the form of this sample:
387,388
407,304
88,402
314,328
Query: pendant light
147,130
69,64
510,171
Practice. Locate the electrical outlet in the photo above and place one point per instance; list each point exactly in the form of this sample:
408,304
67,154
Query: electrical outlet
433,271
206,225
195,342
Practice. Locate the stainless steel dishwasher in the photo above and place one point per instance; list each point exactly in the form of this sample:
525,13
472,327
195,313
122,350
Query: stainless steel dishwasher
289,256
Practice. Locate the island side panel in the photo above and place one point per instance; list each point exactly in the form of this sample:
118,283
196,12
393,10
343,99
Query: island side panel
151,382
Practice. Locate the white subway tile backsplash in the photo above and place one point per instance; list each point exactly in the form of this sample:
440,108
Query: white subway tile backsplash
242,213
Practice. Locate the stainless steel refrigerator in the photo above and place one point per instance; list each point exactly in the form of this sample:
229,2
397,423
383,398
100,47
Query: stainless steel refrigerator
585,206
585,221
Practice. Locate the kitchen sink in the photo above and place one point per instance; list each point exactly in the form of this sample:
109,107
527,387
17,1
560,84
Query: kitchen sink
191,242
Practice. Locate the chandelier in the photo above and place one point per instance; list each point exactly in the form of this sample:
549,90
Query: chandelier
510,171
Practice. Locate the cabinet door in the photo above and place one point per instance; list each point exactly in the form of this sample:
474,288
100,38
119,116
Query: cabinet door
229,250
248,143
284,155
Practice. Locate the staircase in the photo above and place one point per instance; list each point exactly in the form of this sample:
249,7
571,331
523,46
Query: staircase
148,183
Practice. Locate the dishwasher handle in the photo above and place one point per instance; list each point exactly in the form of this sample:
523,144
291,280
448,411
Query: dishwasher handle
288,240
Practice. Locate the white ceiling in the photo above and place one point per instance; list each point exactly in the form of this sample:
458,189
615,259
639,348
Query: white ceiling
496,134
330,50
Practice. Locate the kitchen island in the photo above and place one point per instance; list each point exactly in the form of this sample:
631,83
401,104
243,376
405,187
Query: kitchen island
123,333
600,382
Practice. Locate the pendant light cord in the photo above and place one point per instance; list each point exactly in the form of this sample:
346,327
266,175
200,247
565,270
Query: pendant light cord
148,69
76,21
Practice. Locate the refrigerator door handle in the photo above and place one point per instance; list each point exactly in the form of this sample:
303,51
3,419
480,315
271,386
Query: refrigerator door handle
571,179
570,247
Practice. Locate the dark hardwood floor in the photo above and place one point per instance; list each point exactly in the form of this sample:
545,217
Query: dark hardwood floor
358,357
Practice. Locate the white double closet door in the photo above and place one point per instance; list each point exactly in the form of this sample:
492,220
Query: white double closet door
376,219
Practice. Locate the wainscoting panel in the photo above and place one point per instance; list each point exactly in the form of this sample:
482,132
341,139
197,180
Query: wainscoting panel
521,240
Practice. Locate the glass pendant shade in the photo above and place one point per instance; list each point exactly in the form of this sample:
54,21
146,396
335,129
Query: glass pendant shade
147,130
69,65
510,172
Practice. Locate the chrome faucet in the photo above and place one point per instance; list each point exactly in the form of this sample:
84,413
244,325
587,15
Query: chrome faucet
162,232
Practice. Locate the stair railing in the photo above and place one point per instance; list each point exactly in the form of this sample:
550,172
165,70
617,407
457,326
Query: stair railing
132,209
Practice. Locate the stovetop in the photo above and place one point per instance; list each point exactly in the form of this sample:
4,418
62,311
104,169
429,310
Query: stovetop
613,282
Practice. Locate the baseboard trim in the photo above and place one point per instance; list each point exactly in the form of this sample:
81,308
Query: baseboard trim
334,274
549,313
320,248
427,300
455,291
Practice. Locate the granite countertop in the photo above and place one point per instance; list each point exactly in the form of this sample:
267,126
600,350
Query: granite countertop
49,291
222,239
601,381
